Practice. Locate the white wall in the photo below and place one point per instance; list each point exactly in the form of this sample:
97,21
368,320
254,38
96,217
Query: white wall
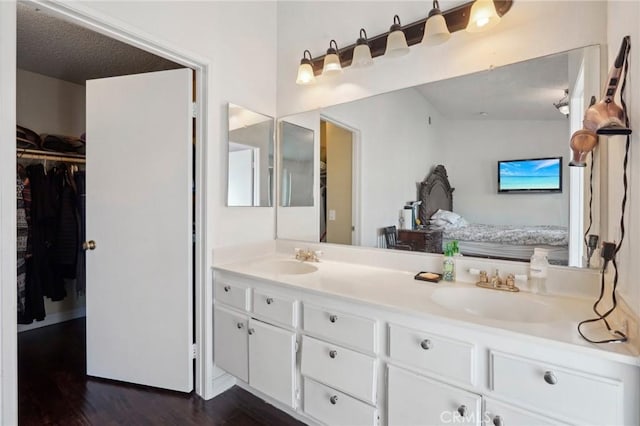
49,105
622,19
471,151
397,151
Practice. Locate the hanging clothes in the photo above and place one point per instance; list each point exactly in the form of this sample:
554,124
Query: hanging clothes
22,234
66,236
81,268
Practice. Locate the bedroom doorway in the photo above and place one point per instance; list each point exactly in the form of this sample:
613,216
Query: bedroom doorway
337,207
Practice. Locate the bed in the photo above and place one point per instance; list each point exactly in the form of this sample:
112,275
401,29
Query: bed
483,240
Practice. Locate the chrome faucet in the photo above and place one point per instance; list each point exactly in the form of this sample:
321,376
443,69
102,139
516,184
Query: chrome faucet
306,255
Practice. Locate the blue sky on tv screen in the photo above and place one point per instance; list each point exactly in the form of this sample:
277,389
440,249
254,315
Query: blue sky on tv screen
530,174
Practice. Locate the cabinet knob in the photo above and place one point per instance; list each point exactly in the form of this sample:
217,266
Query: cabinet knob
462,410
333,318
251,331
240,325
497,421
550,378
334,399
227,288
333,354
425,344
269,300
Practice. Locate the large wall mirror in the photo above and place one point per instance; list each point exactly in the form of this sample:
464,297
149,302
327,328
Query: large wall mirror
376,155
251,158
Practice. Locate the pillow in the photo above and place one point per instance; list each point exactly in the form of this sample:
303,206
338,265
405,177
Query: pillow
441,223
446,215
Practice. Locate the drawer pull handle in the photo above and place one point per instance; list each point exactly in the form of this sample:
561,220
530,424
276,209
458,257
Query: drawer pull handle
425,344
333,354
240,325
550,378
334,399
333,318
227,288
462,410
251,331
269,300
497,421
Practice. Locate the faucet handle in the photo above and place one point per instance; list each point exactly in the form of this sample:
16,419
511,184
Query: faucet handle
510,281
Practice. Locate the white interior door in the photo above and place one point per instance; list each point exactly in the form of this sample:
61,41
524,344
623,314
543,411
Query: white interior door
139,213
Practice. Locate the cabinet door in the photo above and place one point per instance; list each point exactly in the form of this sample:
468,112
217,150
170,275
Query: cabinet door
231,343
272,360
415,400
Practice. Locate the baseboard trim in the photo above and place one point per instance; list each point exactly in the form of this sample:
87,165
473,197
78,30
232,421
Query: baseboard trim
55,318
221,384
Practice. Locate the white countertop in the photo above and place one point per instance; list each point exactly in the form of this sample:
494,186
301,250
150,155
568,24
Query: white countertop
399,291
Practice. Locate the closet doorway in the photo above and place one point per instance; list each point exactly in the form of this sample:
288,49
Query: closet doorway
338,184
143,190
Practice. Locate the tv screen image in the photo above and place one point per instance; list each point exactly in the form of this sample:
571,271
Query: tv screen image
530,175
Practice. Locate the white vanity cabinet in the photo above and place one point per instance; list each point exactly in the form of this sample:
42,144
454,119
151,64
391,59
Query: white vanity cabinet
254,351
339,366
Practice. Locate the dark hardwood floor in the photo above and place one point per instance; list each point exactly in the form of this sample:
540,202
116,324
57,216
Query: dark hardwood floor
54,390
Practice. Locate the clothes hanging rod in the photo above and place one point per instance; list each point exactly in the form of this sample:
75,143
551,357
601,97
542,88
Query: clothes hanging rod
32,154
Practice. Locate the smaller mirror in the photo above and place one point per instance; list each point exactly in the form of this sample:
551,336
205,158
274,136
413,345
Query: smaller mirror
296,165
250,179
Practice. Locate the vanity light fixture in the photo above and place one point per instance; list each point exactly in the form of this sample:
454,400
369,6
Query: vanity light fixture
305,70
396,41
483,16
563,104
362,52
435,28
332,64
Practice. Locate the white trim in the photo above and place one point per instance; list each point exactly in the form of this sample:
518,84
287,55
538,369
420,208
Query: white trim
222,384
8,291
52,319
576,178
87,17
356,178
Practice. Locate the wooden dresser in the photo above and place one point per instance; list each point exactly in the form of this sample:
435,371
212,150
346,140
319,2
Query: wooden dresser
428,240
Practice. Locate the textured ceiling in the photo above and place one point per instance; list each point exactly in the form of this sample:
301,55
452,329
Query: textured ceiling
56,48
522,91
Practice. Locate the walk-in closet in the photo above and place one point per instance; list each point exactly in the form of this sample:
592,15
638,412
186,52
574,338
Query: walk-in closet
60,164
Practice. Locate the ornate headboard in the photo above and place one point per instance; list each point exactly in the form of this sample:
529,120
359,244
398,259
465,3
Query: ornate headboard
435,193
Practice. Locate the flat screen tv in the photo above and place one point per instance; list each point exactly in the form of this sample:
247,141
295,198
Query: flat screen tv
530,175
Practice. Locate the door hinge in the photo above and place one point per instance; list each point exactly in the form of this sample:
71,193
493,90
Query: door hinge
194,110
193,350
297,346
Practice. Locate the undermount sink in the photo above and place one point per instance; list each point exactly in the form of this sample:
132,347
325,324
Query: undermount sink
520,307
285,267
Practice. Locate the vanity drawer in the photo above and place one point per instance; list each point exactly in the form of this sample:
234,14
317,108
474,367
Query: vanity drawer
579,397
498,413
232,295
333,407
351,330
446,357
414,400
339,367
274,307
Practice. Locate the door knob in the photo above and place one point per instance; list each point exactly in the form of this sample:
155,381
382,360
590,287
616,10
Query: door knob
89,245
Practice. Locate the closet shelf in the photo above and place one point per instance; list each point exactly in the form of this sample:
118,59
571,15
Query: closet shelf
32,154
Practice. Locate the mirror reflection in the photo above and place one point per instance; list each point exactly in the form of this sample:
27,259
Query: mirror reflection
250,178
296,165
420,166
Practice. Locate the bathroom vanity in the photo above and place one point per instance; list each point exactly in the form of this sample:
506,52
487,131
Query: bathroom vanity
342,343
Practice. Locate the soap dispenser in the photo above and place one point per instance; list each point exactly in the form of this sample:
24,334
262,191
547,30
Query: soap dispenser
448,264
